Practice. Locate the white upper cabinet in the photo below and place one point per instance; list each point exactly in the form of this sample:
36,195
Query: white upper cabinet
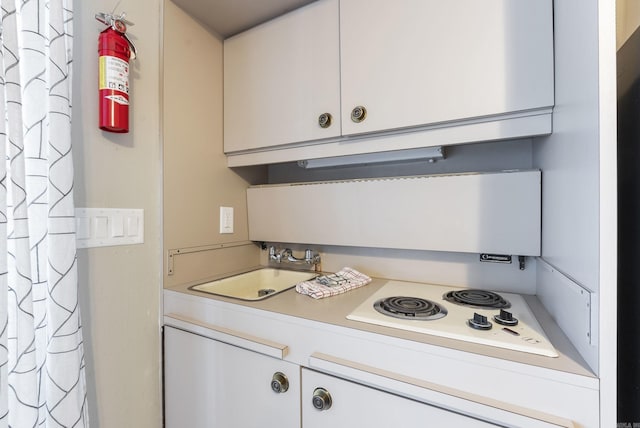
452,71
417,62
280,77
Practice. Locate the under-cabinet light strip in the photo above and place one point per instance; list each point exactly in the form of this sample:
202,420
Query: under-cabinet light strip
430,154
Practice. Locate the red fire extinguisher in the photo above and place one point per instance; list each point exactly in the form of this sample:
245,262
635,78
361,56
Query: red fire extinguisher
114,50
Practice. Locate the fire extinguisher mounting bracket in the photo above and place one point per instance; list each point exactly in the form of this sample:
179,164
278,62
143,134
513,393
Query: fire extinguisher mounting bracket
119,24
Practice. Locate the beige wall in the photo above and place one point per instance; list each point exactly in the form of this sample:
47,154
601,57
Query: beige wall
196,179
627,19
120,286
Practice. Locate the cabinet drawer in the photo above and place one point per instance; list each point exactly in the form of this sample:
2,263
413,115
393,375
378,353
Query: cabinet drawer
355,405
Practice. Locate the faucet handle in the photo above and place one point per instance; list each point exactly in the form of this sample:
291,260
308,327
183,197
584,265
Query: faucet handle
273,255
310,257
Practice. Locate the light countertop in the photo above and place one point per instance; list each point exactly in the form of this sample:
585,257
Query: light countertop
333,310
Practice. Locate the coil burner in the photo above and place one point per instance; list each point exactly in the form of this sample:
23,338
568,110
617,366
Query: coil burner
410,308
477,299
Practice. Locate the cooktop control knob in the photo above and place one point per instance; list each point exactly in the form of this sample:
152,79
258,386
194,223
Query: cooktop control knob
479,322
321,399
505,318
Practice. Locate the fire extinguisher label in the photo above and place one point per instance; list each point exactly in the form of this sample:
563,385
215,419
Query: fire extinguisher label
114,74
118,99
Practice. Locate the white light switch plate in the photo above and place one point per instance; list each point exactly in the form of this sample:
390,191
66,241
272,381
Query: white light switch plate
103,227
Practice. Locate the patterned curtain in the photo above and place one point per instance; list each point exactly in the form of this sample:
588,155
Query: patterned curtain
42,380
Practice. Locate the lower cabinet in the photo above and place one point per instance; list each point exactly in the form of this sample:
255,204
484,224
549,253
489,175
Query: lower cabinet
329,401
211,384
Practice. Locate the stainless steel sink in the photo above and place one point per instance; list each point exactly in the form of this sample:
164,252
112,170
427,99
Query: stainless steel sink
255,285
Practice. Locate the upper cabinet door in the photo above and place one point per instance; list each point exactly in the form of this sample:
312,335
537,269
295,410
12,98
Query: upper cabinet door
422,62
280,77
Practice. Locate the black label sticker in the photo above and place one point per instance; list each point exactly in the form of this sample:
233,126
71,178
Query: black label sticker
495,258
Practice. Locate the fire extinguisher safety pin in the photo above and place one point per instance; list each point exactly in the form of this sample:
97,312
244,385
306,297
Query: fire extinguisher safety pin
134,52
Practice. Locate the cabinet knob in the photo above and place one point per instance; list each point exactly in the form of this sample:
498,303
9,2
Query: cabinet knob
279,383
321,399
358,114
324,120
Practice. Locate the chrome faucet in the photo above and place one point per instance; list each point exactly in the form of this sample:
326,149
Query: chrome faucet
286,256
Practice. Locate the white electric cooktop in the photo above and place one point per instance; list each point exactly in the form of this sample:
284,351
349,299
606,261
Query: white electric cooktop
497,319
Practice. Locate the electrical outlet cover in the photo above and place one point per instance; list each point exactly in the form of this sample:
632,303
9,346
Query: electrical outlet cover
226,219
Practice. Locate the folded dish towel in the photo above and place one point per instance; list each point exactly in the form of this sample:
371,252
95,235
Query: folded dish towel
329,285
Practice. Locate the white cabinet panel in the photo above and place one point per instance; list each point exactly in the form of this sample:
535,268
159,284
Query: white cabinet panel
355,405
415,62
215,385
473,213
280,77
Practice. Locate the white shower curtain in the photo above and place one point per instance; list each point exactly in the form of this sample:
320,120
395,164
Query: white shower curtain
42,381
